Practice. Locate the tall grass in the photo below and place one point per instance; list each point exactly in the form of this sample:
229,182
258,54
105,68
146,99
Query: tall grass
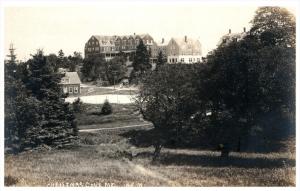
97,160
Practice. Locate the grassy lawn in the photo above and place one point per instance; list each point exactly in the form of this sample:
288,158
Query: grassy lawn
98,159
123,115
104,158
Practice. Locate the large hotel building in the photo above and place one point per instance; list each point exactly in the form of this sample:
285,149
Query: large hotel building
177,50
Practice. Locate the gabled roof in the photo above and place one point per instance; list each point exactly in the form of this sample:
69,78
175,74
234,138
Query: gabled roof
71,78
229,37
105,40
188,44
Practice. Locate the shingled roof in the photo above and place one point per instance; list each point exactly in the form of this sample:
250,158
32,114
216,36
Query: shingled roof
188,44
70,78
229,37
105,40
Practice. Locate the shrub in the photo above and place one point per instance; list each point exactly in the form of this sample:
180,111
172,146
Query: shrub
106,108
78,106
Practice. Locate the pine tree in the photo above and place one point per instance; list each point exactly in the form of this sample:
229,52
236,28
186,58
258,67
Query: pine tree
160,59
21,109
106,108
57,125
141,62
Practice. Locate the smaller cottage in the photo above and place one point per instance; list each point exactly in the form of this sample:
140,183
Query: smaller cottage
71,83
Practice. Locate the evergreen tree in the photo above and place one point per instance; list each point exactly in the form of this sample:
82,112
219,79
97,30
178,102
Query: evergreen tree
106,108
35,111
160,59
141,63
53,60
21,109
62,61
42,81
74,61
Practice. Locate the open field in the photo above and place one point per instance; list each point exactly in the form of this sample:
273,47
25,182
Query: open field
110,158
125,114
99,159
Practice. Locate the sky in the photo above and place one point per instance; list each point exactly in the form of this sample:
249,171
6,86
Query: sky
68,28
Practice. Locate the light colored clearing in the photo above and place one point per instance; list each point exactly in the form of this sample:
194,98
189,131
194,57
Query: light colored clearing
99,99
116,87
114,128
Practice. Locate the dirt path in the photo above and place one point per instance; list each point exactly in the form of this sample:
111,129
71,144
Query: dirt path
114,128
150,173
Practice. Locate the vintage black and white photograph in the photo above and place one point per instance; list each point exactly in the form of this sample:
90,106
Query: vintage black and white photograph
149,94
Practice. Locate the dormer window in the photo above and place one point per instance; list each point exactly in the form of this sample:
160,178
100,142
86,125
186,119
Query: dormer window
65,80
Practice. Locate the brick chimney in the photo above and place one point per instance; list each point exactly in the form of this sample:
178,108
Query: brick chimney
134,34
229,31
185,38
162,40
244,29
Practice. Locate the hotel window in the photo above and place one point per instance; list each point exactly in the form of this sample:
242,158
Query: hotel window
97,48
182,60
70,89
198,59
89,49
76,90
65,89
